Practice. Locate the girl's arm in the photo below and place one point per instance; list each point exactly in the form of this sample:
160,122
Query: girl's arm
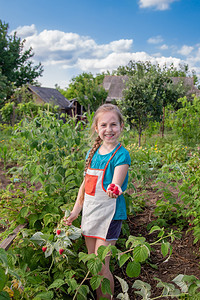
118,179
77,206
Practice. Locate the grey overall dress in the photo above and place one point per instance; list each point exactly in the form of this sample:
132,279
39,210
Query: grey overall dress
98,207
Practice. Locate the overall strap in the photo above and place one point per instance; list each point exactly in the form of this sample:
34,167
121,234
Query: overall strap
108,163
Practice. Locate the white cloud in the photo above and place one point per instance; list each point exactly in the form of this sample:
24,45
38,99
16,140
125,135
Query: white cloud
64,55
155,40
157,4
114,60
24,31
185,50
164,47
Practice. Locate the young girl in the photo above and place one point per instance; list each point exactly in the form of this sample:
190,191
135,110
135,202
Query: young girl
103,206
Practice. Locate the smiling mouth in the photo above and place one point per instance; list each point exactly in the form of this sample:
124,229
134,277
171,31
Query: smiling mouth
109,135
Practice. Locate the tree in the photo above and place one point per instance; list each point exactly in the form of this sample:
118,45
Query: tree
15,63
149,90
3,93
88,90
141,102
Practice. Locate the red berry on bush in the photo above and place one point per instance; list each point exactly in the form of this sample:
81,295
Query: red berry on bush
44,249
61,251
58,231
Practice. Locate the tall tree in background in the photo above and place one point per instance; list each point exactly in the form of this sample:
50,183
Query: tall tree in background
15,64
88,91
141,97
150,89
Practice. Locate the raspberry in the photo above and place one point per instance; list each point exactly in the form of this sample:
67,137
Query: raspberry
111,187
61,251
116,190
44,249
58,231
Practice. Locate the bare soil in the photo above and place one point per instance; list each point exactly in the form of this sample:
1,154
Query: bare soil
184,259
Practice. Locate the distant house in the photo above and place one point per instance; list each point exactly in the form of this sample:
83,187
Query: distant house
78,109
188,82
115,85
52,96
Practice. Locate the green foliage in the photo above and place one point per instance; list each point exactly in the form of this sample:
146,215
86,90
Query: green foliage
186,121
49,158
23,106
140,105
3,91
88,90
149,90
15,63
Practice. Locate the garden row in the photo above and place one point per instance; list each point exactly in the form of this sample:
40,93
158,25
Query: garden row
46,161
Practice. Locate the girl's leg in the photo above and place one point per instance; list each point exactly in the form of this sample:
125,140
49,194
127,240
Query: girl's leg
90,244
105,271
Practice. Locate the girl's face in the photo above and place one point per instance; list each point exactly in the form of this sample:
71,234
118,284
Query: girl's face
108,127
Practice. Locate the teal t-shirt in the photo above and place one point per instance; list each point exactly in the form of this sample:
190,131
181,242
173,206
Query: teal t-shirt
121,157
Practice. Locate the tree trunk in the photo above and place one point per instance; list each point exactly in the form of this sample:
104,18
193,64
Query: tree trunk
163,123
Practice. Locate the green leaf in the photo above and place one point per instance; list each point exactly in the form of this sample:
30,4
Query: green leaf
124,284
48,218
95,281
3,278
154,228
179,281
32,219
37,237
83,291
122,296
58,178
3,257
56,284
145,289
100,252
94,265
74,232
133,269
85,257
24,211
123,259
105,286
165,248
72,283
106,251
141,253
45,295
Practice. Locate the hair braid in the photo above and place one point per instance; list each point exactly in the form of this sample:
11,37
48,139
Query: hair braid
94,148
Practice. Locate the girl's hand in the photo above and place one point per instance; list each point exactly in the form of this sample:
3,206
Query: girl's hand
114,190
68,221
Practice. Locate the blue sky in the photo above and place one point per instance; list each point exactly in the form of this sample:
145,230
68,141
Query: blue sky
71,37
